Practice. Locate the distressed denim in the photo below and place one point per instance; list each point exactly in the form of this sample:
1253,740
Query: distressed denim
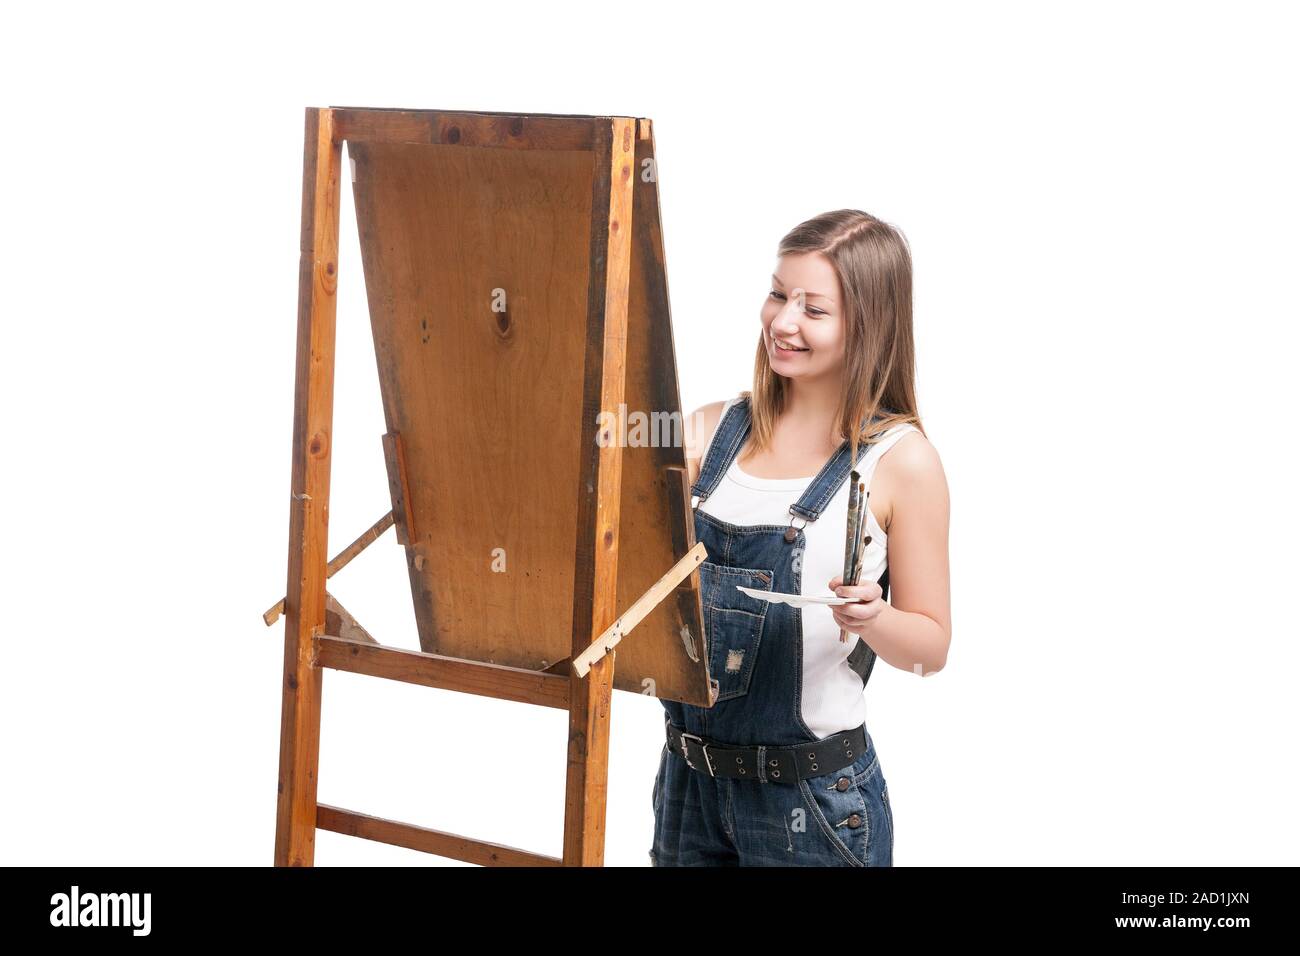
755,653
721,821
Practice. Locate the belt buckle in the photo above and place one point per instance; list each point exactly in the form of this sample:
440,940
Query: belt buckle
686,752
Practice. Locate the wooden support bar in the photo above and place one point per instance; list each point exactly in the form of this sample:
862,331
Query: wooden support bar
313,424
634,615
447,673
595,579
434,127
340,560
438,842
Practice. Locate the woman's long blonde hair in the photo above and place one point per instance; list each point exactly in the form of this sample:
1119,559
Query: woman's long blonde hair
874,266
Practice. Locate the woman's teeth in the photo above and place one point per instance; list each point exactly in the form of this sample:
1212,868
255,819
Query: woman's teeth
786,349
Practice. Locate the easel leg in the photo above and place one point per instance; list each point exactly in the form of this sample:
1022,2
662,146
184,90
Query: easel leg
313,415
596,570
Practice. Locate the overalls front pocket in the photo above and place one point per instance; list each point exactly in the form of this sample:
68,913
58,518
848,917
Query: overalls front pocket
734,624
850,811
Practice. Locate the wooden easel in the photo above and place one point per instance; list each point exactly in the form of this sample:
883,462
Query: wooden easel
515,274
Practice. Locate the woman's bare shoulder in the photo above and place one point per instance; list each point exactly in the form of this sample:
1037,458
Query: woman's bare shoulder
697,430
912,459
912,471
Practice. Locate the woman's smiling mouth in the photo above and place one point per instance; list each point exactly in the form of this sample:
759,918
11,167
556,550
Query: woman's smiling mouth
780,347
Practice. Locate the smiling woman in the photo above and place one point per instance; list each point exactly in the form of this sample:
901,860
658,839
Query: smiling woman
786,740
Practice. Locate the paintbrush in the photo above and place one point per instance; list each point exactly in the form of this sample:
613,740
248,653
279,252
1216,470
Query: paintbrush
859,543
859,522
850,538
852,554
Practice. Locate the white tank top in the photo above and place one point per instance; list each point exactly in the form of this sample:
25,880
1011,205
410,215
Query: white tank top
832,696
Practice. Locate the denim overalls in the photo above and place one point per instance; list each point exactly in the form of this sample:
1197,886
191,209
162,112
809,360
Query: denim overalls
838,818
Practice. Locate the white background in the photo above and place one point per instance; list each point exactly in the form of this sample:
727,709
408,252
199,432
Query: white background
1101,201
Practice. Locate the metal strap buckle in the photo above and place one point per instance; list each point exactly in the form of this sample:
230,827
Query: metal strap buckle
686,752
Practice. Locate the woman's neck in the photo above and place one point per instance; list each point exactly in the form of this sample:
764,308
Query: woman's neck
810,411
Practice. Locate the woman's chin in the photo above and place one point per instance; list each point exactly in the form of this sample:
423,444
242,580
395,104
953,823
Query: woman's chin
788,369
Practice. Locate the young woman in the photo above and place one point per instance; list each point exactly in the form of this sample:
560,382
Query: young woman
781,770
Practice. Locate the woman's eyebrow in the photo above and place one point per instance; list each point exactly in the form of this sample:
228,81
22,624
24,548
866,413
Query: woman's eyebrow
807,294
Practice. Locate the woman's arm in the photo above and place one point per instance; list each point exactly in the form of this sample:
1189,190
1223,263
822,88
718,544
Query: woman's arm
912,633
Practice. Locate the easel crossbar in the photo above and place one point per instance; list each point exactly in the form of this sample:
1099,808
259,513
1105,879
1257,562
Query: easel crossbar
494,130
437,842
448,673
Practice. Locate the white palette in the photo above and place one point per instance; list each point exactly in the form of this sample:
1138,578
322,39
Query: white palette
795,600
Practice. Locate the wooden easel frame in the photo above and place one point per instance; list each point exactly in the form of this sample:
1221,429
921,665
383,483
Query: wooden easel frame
308,648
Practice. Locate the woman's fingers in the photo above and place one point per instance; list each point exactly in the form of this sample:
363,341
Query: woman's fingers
857,617
868,591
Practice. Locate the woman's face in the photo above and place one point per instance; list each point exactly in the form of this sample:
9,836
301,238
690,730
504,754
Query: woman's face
803,310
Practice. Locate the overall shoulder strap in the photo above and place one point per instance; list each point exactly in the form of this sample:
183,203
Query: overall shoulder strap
828,481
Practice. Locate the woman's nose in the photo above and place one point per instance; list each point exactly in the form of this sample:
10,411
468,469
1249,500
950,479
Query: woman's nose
786,321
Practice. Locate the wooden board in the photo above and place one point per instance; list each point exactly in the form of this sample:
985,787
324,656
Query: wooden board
475,248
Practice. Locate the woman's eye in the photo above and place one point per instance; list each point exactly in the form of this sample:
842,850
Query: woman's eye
781,295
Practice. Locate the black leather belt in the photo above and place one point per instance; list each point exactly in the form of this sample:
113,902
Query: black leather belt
785,764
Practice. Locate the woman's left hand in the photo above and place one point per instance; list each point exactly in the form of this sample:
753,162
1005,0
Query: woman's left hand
857,618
